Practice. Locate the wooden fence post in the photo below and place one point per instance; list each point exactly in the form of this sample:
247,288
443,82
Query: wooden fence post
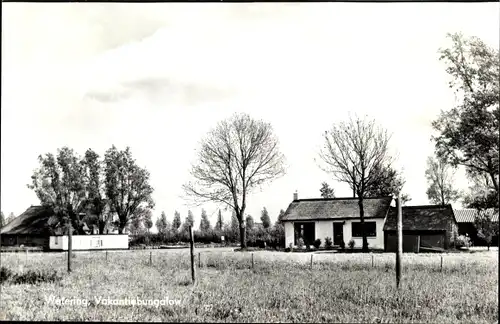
199,260
106,255
191,242
26,255
150,257
372,260
399,252
252,260
441,263
312,261
70,244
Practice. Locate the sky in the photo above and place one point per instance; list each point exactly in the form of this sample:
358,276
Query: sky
158,76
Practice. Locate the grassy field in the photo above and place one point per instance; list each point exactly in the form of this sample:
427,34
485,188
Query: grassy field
280,287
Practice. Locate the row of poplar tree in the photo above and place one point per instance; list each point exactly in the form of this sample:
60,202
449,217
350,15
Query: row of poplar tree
177,231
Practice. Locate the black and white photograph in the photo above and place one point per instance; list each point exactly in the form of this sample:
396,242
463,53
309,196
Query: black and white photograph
257,162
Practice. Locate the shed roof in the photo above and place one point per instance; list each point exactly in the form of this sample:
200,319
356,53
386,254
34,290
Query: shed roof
468,215
335,208
421,218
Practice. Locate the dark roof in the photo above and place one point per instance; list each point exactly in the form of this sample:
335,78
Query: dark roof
468,215
334,208
33,222
428,217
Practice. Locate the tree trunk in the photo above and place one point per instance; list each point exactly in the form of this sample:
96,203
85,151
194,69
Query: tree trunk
102,225
120,230
495,183
243,235
362,219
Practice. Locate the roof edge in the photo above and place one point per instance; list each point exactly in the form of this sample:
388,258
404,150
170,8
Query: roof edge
330,218
341,198
448,206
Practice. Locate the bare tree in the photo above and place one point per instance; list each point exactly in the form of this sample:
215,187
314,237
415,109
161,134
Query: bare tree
237,156
440,179
354,151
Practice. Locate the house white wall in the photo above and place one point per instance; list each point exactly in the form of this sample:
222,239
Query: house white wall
89,242
324,228
376,242
289,234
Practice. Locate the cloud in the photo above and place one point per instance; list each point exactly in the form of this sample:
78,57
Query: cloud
157,77
160,91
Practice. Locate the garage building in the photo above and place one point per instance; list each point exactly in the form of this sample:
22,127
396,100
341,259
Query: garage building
427,228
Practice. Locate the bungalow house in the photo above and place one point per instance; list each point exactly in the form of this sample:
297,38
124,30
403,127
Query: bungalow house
425,228
465,219
336,218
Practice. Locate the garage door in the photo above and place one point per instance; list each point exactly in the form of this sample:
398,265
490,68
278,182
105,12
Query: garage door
411,242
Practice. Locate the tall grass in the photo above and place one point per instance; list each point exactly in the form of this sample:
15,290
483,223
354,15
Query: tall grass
281,287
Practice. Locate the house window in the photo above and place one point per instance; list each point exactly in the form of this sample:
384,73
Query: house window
370,229
57,240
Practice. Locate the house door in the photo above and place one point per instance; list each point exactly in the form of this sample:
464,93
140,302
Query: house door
338,233
306,231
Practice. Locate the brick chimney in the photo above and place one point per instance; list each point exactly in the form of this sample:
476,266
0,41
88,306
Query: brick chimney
295,196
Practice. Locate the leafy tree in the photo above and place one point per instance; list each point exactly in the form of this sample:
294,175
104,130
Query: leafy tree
481,197
278,233
10,218
2,220
280,217
148,221
127,185
162,224
440,180
388,182
96,203
205,226
189,221
240,154
176,224
59,183
220,222
326,191
249,222
234,229
469,132
264,218
354,152
136,225
486,228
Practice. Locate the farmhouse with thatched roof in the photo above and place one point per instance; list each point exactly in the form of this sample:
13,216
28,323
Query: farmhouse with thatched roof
335,218
29,229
